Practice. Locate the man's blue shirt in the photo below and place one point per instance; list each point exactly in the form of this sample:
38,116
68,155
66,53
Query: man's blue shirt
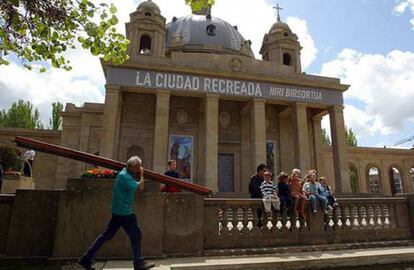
123,193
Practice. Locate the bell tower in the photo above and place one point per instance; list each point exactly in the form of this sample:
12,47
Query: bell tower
146,31
281,45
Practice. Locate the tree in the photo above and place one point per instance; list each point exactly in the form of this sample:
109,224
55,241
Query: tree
199,4
351,139
325,138
39,30
20,115
56,120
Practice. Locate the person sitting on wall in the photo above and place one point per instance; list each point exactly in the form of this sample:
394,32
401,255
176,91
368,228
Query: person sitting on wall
269,192
295,186
254,189
171,172
311,189
326,191
28,158
284,193
127,182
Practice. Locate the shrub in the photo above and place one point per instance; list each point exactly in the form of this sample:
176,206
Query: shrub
10,158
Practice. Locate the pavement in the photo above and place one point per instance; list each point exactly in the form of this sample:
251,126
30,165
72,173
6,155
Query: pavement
303,260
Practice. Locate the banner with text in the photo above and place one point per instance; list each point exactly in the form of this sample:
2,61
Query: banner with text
220,86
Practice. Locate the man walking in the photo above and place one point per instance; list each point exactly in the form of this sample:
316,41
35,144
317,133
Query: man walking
123,215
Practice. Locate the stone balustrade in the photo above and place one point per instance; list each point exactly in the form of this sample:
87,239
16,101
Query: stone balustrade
232,223
62,223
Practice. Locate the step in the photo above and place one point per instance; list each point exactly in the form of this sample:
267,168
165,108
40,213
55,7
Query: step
288,261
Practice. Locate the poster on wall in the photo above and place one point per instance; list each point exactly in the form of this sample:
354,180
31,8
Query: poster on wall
181,150
270,157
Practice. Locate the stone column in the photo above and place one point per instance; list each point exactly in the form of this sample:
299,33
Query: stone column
258,129
111,121
245,148
318,145
339,150
302,149
160,147
211,107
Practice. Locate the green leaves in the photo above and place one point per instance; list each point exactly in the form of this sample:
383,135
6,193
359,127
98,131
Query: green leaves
20,115
43,31
197,5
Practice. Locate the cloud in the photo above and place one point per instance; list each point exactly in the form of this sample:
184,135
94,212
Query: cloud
309,51
382,83
81,85
404,5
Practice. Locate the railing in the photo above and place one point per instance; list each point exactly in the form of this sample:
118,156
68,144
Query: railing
233,223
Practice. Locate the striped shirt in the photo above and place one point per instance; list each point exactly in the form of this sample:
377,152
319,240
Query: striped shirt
268,188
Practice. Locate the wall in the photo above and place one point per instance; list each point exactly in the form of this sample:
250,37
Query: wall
364,158
44,167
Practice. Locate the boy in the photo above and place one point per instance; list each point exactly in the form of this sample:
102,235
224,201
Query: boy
325,190
269,192
284,193
171,172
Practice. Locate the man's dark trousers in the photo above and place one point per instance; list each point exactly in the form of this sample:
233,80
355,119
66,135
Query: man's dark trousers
130,225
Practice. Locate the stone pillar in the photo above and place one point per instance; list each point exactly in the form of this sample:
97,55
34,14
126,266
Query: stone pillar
160,147
245,149
258,129
385,180
211,107
318,145
302,149
339,150
111,121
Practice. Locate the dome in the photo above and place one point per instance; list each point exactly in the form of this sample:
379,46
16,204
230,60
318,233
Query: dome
280,26
149,5
199,33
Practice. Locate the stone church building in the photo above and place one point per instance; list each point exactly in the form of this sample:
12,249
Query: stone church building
193,91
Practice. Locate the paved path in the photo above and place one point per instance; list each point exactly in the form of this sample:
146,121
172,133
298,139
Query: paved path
305,260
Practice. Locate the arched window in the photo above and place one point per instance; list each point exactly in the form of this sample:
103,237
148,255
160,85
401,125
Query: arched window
395,180
145,45
354,179
287,59
148,14
412,178
374,180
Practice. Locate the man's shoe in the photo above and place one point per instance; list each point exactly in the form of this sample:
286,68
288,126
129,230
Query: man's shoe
85,265
144,266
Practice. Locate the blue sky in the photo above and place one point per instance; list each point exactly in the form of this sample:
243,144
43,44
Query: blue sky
366,43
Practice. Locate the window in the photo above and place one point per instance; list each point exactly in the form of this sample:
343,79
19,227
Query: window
374,180
412,178
287,59
145,45
148,14
395,180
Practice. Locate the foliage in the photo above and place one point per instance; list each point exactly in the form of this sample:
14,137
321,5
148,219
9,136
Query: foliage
199,4
10,158
20,115
325,137
353,175
100,173
351,139
56,120
39,30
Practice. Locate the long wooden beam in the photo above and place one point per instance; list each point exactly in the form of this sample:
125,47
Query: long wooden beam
106,163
